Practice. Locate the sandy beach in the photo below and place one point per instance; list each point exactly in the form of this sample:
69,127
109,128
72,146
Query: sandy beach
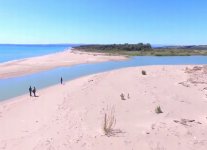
71,116
46,62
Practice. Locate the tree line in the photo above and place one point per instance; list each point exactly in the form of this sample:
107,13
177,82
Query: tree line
125,47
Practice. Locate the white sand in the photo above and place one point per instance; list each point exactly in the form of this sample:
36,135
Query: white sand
70,116
46,62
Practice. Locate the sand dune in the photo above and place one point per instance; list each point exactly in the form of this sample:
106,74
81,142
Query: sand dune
71,116
46,62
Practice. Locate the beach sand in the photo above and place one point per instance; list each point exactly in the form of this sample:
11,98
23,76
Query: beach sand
46,62
71,116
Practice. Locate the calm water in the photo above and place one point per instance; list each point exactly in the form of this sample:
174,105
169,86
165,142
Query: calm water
17,86
14,52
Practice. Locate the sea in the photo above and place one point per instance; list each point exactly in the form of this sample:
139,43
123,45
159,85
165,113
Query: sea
9,52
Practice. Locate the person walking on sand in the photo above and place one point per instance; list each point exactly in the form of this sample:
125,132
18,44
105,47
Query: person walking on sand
34,91
30,91
61,80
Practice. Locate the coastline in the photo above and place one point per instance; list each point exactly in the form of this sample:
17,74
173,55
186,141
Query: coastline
141,49
70,116
46,62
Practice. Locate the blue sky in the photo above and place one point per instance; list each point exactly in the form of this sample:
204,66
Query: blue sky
177,22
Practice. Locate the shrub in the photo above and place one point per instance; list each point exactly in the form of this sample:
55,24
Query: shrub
144,72
128,96
122,96
158,110
109,122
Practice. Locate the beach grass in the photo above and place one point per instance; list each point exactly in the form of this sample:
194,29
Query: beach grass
109,122
158,110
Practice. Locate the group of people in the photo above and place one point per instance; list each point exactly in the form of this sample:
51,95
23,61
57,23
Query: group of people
34,89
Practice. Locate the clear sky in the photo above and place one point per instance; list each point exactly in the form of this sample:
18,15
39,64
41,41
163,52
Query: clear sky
103,21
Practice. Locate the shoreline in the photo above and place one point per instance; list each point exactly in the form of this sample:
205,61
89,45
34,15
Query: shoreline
10,100
22,59
65,58
70,116
76,78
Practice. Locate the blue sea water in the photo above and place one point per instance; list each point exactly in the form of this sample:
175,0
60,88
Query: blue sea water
14,52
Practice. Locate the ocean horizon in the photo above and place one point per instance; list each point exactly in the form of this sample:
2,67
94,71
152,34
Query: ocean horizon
10,52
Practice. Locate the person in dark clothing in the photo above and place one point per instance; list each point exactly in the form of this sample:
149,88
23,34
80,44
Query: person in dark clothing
30,91
34,91
61,80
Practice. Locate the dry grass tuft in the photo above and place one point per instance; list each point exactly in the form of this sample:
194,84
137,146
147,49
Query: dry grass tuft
122,96
144,72
109,122
158,110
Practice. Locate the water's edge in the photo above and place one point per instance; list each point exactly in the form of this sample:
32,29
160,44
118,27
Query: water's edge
17,86
18,52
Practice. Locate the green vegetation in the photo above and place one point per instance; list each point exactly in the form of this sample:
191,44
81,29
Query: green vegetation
117,47
141,49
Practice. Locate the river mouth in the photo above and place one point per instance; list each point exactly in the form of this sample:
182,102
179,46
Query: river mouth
12,87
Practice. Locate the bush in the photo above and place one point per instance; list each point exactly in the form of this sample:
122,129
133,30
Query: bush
109,122
144,72
122,96
158,110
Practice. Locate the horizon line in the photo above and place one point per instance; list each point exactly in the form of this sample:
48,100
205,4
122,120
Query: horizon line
99,44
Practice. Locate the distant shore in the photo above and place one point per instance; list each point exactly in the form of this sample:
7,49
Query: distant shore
50,61
71,116
141,49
